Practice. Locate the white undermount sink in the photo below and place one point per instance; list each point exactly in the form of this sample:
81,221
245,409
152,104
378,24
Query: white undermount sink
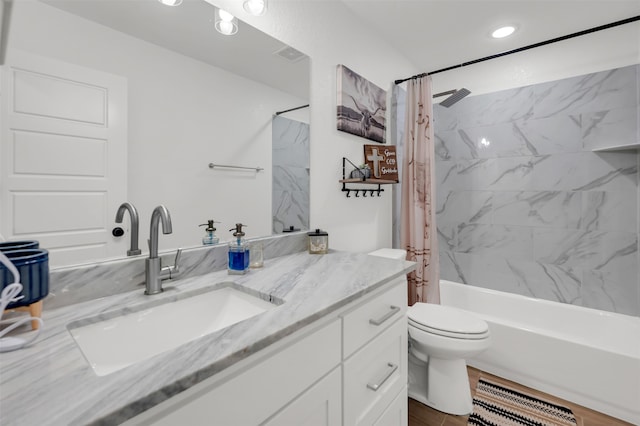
129,337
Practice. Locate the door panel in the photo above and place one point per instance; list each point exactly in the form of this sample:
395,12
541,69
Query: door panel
63,156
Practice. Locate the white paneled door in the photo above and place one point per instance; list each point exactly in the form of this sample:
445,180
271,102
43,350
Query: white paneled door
63,157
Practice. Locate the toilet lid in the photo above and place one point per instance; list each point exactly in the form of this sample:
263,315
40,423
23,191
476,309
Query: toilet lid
447,321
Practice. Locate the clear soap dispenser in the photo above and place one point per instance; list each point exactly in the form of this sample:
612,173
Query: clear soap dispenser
238,252
210,236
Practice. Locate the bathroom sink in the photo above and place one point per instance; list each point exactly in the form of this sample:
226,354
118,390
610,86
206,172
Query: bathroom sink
118,339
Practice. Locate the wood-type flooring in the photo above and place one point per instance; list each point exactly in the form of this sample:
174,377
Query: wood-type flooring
421,415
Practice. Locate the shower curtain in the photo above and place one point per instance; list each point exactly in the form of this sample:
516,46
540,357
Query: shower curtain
418,228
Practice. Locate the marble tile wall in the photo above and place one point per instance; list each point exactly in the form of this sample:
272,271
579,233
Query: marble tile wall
77,284
290,191
526,206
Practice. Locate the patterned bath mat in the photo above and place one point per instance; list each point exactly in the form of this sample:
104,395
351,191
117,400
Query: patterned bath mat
495,405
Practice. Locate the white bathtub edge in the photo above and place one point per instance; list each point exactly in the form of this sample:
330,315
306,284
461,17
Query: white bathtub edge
599,378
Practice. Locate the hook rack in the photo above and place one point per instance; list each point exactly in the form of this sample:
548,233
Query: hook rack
364,191
363,180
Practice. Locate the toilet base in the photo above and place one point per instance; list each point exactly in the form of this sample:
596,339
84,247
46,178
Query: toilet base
442,384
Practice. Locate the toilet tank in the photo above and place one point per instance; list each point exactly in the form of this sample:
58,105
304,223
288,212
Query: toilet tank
390,253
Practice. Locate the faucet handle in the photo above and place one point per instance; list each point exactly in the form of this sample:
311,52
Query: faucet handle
174,271
178,256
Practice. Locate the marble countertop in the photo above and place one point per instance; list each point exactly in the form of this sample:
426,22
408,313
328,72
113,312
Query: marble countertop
52,383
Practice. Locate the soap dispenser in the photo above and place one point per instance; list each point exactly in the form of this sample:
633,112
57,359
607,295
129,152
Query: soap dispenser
238,252
210,236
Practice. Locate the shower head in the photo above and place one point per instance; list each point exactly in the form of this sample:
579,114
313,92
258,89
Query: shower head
455,97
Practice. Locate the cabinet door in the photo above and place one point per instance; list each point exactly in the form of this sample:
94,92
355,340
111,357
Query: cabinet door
257,393
64,151
319,406
397,413
374,375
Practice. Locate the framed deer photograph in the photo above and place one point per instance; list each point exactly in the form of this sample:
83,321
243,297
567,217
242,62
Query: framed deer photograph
361,106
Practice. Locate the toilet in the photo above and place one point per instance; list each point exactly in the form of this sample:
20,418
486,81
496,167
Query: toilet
441,338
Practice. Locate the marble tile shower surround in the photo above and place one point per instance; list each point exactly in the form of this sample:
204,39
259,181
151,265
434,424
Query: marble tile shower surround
73,285
525,206
290,159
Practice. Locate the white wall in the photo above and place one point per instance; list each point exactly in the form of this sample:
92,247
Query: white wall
301,115
613,48
331,35
328,32
182,115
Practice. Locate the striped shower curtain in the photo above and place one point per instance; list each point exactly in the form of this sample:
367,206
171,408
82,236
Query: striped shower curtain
418,229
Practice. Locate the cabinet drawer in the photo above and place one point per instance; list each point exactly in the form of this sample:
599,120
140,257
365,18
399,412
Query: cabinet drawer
375,375
397,413
368,320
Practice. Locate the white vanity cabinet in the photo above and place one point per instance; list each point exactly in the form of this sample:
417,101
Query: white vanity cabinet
348,368
397,413
375,359
320,405
252,391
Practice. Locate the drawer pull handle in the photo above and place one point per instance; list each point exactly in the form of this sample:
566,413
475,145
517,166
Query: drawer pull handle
386,316
376,386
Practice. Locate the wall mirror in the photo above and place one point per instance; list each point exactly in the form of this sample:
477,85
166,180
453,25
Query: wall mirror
190,97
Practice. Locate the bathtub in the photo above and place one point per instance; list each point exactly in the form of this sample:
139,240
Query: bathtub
586,356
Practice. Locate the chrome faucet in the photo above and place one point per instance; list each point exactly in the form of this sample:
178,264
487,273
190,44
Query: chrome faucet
133,214
154,271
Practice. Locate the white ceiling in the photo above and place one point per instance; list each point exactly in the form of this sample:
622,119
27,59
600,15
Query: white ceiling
189,30
435,34
432,34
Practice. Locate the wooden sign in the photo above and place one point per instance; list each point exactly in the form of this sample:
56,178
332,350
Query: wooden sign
382,161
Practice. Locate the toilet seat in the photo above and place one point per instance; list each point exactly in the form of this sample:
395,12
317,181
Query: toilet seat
446,321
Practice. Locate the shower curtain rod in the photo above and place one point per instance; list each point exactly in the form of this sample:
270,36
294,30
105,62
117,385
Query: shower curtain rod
531,46
292,109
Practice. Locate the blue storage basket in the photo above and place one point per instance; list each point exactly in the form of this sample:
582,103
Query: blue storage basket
33,265
19,245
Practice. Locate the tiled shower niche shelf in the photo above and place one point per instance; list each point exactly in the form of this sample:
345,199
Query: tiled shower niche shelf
630,147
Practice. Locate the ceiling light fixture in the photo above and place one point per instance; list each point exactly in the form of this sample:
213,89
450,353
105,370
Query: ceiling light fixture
171,2
255,7
225,22
503,32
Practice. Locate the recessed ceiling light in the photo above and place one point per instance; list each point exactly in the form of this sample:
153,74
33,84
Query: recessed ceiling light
503,32
225,22
255,7
171,2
